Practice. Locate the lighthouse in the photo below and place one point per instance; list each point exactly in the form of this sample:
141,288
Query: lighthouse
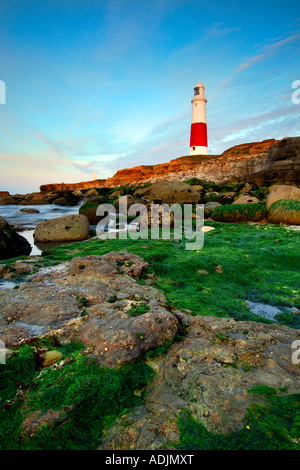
198,141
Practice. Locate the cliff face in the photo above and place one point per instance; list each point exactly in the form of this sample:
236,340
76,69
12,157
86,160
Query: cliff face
72,186
282,164
267,162
236,162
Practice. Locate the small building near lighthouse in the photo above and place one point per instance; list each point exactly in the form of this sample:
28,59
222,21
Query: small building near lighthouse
198,140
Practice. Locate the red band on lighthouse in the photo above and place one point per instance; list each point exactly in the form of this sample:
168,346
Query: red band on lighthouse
198,134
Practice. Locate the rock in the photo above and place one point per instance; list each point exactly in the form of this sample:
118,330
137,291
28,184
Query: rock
92,192
284,211
198,187
246,199
211,196
117,193
61,201
50,357
208,374
226,198
127,198
11,243
173,192
89,209
282,191
4,225
38,198
6,200
142,192
77,193
86,185
106,287
67,228
203,272
206,229
239,212
30,210
209,208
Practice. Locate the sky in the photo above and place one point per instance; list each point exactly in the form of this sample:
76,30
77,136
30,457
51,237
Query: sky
91,87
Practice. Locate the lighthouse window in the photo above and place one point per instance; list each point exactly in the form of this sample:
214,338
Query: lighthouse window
196,91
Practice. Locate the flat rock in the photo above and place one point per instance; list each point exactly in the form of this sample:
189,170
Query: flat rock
208,374
89,299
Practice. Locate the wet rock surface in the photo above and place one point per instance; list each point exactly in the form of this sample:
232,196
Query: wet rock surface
11,243
93,299
209,374
67,228
99,301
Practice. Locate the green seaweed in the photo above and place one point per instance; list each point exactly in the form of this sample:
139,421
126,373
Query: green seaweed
138,310
273,425
86,398
260,263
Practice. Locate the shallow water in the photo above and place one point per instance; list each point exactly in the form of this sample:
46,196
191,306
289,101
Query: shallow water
264,310
7,284
269,311
46,211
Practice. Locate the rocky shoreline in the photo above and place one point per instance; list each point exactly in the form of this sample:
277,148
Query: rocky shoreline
140,344
206,367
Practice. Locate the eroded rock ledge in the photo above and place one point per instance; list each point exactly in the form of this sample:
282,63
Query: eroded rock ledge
96,300
99,301
208,374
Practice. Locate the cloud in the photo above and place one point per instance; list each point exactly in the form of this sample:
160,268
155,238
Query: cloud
60,155
217,30
266,53
278,123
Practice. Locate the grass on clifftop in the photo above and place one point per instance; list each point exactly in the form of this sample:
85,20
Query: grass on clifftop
238,263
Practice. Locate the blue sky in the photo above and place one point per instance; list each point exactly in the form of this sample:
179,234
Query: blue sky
96,86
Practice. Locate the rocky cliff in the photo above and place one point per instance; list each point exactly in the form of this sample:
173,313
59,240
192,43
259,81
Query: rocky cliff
72,186
267,162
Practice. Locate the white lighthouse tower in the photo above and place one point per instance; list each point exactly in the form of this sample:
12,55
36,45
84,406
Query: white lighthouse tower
198,141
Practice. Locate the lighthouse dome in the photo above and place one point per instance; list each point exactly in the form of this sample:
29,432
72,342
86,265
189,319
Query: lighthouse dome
199,84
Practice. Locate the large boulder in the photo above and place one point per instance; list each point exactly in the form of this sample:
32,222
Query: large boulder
89,209
11,243
171,192
284,211
282,191
68,228
246,199
239,212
